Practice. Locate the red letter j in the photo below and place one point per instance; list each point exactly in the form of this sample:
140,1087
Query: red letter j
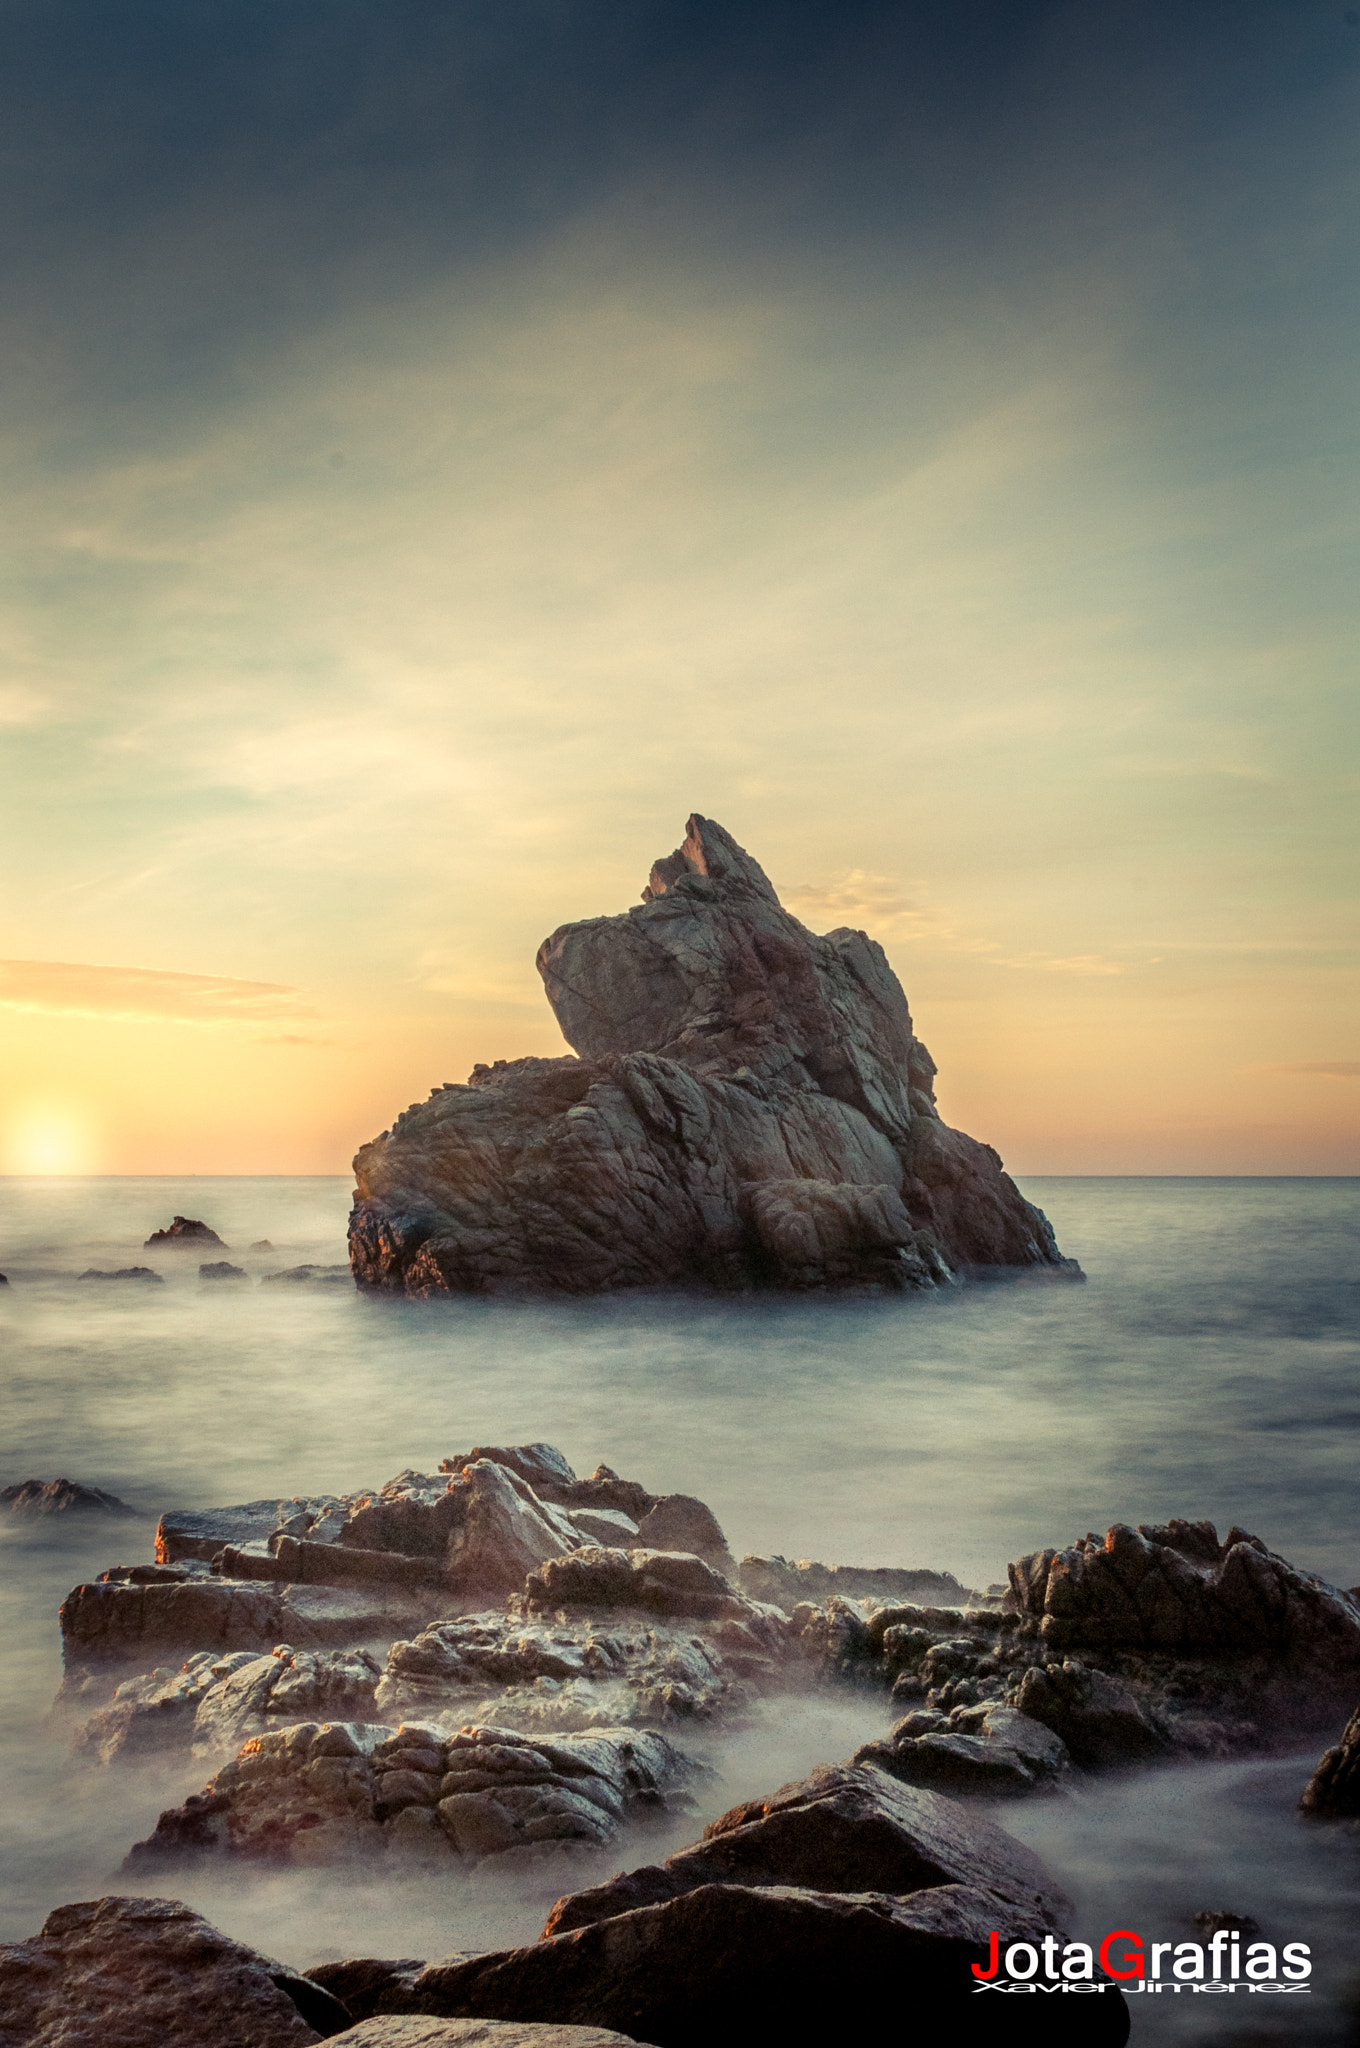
978,1970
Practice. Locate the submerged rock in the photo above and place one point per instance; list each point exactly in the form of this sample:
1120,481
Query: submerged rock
222,1269
141,1273
34,1498
186,1230
313,1794
122,1973
749,1105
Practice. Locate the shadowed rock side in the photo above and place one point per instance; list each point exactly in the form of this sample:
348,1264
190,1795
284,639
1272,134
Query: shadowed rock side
749,1105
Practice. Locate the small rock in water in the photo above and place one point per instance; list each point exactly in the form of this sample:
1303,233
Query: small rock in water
222,1269
4,1281
1226,1923
262,1244
33,1497
186,1230
143,1273
327,1275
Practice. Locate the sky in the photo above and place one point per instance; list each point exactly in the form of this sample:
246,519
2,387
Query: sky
448,443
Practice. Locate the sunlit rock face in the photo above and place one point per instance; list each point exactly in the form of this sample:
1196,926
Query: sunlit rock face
749,1105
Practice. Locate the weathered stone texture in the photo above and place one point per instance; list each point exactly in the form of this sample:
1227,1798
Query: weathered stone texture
749,1105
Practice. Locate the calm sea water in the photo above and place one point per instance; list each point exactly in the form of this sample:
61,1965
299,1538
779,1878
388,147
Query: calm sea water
1207,1368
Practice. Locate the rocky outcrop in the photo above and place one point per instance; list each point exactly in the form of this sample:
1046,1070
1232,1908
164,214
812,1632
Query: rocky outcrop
120,1973
32,1499
1174,1586
137,1611
583,1672
749,1104
188,1232
314,1794
1333,1791
217,1270
786,1585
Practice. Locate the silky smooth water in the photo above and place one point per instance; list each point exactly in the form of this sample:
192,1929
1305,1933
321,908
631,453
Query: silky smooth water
1207,1367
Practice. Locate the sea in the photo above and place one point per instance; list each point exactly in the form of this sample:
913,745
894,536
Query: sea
1209,1367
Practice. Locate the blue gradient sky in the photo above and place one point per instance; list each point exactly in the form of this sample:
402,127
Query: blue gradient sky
448,443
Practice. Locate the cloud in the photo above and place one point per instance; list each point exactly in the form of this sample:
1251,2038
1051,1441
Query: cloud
62,987
1332,1070
879,905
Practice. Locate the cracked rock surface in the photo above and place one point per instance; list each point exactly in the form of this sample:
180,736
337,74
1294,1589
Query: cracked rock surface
314,1794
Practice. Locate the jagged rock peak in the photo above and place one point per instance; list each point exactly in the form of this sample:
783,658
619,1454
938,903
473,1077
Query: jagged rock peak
707,850
749,1104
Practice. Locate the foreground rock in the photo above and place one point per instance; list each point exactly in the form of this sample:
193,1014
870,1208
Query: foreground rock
406,2032
750,1105
32,1499
315,1794
188,1231
799,1919
844,1828
1333,1791
123,1973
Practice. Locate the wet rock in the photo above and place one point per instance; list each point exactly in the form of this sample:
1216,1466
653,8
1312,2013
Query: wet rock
32,1499
314,1794
203,1532
1333,1791
664,1582
410,2032
565,1674
750,1106
1174,1586
844,1828
155,1712
1100,1720
989,1749
142,1274
185,1230
222,1269
679,1522
729,1964
775,1580
125,1619
123,1972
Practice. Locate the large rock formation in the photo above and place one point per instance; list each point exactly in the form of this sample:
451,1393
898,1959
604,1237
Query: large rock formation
749,1104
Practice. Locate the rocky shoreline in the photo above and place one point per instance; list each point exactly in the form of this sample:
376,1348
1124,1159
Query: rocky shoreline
456,1671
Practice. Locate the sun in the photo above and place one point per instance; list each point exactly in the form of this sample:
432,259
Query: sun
47,1138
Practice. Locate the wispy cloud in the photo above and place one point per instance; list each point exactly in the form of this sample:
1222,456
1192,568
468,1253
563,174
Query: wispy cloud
66,987
1331,1070
880,905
